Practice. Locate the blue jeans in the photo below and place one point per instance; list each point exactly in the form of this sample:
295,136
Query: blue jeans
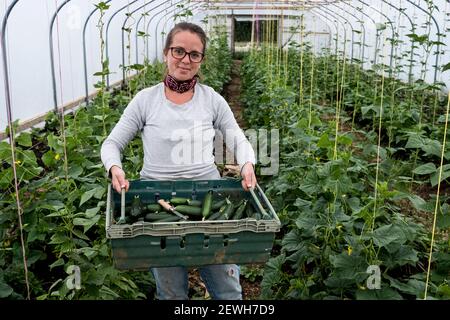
221,280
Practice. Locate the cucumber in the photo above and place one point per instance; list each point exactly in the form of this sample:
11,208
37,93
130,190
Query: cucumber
168,219
240,210
179,200
218,205
249,211
136,206
207,204
156,216
195,203
228,212
154,207
190,210
266,216
215,215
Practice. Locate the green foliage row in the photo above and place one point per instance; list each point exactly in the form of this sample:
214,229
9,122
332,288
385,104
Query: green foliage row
334,223
62,192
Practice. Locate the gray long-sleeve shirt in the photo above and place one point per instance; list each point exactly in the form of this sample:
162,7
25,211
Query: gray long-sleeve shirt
178,140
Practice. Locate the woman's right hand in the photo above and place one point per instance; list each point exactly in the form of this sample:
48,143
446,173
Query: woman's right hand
118,179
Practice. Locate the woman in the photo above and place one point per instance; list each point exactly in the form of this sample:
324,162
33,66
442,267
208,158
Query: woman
177,119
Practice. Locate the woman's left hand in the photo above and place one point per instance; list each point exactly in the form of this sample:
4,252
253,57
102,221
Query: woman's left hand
248,176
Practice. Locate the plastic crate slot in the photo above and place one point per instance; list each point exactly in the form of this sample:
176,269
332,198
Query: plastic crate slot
225,240
206,241
182,242
163,242
157,194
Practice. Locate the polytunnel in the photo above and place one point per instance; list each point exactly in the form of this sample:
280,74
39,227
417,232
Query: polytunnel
343,107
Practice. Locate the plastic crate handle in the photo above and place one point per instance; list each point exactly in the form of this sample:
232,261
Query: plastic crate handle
271,209
122,207
258,203
108,207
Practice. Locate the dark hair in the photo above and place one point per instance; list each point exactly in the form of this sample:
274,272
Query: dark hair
185,26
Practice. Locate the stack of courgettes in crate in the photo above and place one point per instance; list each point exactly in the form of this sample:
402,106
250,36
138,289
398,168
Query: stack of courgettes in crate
212,207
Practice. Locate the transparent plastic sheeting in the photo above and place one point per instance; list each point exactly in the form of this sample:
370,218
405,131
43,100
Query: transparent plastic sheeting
327,24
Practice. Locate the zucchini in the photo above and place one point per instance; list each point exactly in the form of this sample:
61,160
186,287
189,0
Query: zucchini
207,204
190,210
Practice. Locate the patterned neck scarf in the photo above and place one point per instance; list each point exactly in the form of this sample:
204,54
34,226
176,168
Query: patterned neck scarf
180,86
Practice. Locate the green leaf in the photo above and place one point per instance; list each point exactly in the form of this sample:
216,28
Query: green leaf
446,67
404,255
380,26
412,287
433,147
435,177
24,139
366,109
273,276
5,290
425,169
5,151
415,141
55,144
417,202
102,6
388,234
86,223
49,158
87,196
354,204
58,263
108,292
79,234
292,241
91,212
420,39
6,176
443,220
382,294
349,266
301,203
311,184
324,141
75,171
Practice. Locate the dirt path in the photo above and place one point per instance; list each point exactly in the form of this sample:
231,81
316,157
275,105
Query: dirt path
232,93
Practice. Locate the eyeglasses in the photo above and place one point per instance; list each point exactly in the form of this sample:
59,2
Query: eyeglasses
179,53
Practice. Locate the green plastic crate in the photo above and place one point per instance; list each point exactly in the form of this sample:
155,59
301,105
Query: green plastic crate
142,245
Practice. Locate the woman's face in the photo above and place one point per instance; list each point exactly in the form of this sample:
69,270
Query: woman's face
184,69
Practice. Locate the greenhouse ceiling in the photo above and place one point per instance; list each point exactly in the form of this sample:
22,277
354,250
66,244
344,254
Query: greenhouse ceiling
63,37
